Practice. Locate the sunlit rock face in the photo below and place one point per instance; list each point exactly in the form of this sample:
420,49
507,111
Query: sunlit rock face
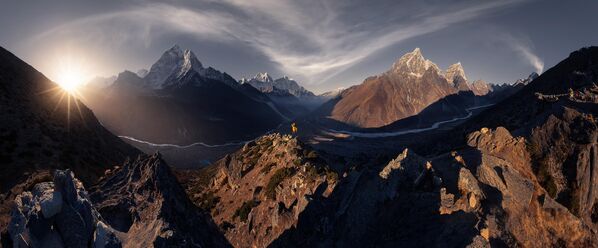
412,84
259,192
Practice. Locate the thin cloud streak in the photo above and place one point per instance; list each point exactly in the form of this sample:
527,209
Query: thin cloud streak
310,41
524,48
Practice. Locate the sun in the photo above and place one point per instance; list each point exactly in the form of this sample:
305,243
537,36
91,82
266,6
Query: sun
70,78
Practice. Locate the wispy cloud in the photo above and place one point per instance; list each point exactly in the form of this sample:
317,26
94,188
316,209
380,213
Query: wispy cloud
314,40
524,48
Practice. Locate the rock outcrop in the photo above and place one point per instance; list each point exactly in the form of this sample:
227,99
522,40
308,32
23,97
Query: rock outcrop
260,191
144,201
565,154
59,214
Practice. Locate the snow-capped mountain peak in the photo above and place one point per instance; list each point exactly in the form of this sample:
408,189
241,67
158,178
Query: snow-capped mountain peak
175,63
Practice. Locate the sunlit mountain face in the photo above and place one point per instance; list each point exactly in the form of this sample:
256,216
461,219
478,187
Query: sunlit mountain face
280,123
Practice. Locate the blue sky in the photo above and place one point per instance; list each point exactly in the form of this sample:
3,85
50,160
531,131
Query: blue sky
322,44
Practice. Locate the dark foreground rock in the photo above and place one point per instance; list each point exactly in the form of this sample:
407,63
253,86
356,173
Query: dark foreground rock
145,202
58,214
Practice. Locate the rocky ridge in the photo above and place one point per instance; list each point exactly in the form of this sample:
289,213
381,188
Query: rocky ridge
260,191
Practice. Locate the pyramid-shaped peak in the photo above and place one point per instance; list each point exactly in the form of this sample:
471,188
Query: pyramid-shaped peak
174,61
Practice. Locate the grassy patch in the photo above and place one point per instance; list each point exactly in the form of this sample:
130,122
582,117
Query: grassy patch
243,211
266,169
208,201
297,162
279,176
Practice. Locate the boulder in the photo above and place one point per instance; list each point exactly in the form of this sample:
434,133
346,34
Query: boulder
58,214
51,203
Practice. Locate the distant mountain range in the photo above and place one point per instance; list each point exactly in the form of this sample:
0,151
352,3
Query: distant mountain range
286,92
265,83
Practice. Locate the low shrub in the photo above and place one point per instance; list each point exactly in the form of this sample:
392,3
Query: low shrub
243,211
279,176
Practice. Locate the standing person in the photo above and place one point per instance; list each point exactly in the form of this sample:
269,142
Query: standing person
293,128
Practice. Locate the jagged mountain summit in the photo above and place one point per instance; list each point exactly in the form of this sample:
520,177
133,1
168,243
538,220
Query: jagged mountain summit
174,64
412,84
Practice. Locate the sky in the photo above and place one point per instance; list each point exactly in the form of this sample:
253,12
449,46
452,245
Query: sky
324,45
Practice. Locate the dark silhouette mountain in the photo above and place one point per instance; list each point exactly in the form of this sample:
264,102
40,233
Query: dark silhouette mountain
43,129
181,102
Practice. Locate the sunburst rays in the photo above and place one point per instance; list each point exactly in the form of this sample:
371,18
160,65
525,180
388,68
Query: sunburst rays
62,96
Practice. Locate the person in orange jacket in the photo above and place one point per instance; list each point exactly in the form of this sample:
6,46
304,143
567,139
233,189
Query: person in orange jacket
293,128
